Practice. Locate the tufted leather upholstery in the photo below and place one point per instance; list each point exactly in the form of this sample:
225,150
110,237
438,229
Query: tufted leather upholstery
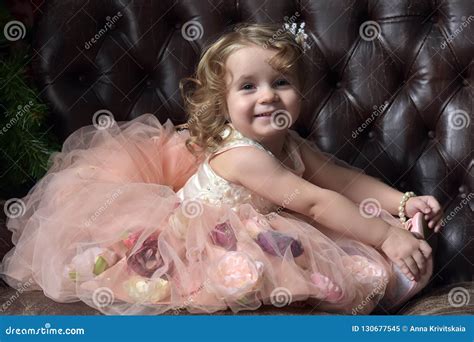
408,89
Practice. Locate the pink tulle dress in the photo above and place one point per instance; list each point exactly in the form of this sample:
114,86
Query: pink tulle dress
130,222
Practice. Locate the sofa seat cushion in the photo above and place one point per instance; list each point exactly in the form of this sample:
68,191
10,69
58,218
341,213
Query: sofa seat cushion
436,302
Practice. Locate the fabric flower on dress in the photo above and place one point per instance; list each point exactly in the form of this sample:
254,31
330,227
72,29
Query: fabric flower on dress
276,243
178,223
145,290
271,241
146,260
256,225
234,275
223,235
131,238
90,263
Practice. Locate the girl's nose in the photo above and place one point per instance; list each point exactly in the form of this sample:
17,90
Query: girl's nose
269,96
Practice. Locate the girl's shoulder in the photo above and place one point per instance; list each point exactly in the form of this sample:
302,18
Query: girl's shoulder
233,138
222,163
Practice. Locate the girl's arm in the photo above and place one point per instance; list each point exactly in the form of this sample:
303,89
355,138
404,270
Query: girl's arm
352,184
264,175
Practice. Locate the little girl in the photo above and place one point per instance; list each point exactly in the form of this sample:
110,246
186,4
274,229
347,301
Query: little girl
236,211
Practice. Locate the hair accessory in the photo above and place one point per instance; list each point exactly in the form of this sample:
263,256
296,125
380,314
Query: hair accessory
401,208
299,34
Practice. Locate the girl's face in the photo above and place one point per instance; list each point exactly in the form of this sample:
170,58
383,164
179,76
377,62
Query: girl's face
255,88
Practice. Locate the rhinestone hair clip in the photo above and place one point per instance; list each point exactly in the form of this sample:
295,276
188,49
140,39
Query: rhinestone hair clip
299,34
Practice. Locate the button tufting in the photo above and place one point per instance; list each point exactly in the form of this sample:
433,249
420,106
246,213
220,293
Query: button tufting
149,83
371,134
435,18
338,85
431,134
465,83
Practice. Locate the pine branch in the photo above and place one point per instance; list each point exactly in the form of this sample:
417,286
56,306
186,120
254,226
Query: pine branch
25,143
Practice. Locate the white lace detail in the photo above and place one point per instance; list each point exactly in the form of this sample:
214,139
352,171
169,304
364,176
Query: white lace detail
237,139
208,186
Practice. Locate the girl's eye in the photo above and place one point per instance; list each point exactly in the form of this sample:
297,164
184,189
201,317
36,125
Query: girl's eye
282,82
247,86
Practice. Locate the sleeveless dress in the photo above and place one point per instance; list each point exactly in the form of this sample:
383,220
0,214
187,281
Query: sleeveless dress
130,222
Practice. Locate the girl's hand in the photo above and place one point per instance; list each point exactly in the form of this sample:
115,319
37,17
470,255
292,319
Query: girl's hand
429,206
407,252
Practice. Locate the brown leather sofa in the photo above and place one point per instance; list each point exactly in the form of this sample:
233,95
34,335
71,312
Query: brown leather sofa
392,93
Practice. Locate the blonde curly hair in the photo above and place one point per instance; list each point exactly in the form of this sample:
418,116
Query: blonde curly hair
205,102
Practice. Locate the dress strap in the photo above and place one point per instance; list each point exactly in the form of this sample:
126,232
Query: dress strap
291,146
236,139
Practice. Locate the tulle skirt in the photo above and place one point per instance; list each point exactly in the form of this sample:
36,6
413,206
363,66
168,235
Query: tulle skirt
106,226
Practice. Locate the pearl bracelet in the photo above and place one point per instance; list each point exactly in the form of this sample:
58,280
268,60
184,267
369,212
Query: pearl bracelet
401,208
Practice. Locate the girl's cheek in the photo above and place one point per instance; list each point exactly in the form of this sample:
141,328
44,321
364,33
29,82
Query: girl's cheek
243,103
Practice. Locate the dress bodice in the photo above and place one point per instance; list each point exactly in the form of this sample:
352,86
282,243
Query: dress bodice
208,186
